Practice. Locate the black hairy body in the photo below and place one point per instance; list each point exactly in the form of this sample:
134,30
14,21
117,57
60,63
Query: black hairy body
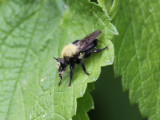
75,53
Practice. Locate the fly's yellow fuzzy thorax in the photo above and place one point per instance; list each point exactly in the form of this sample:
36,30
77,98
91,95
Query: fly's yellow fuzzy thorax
69,50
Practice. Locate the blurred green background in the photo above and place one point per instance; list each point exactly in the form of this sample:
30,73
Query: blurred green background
111,103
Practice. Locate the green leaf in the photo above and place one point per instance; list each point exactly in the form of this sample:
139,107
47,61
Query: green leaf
110,6
137,54
105,4
84,104
31,33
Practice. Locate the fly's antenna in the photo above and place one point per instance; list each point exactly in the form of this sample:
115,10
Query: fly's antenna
56,59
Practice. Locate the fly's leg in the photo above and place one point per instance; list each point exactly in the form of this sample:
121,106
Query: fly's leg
88,53
60,80
98,50
71,73
83,67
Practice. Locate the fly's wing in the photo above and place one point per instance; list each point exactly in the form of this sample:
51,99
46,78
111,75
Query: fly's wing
85,42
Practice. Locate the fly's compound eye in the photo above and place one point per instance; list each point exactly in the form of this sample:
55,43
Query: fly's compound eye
62,62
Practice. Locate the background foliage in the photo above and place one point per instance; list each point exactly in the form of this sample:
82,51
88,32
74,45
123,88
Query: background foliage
137,56
111,102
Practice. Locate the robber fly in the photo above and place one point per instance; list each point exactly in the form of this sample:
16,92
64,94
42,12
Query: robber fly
75,52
